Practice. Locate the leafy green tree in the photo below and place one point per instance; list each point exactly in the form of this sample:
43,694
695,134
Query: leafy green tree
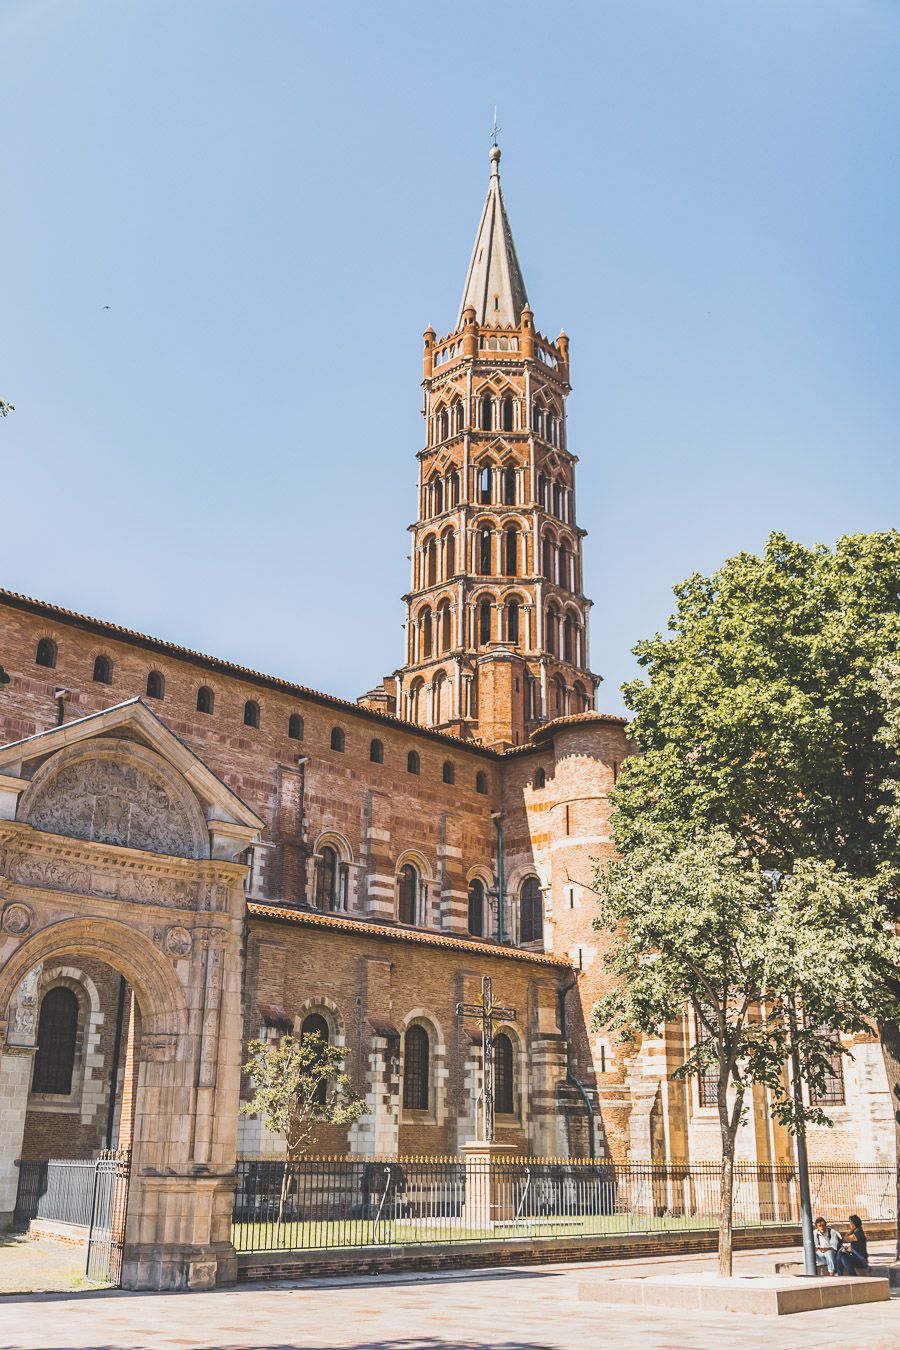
765,710
298,1085
698,925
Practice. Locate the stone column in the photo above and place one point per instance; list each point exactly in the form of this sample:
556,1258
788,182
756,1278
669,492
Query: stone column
19,1041
491,1196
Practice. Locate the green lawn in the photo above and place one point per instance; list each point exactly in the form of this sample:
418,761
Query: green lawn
331,1234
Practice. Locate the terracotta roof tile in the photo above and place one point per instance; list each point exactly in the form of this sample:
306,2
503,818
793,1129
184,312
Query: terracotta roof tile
383,932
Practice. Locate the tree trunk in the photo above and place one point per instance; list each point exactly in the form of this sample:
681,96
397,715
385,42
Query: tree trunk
726,1200
282,1199
890,1048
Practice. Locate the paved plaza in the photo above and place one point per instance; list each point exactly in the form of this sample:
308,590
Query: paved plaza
529,1308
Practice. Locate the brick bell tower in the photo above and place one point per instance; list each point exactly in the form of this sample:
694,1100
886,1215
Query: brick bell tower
497,632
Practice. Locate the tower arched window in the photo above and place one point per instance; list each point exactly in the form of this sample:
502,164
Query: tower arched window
551,641
443,423
431,562
565,567
413,763
458,417
327,878
448,773
441,694
485,549
485,413
481,782
156,685
547,557
416,1069
57,1038
449,554
443,626
454,488
476,908
511,552
557,500
568,638
531,911
338,740
507,413
559,696
295,727
580,696
512,621
509,487
376,751
542,490
484,485
251,713
437,497
426,633
205,700
504,1095
46,653
315,1025
408,894
484,623
102,670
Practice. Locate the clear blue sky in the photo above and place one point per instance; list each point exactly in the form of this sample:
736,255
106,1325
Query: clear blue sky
275,199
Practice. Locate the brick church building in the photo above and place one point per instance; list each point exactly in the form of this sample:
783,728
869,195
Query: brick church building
366,863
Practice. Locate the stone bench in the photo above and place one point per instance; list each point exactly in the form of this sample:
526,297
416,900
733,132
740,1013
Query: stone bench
891,1272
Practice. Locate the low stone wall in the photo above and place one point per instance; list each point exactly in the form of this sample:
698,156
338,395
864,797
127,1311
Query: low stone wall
512,1252
74,1233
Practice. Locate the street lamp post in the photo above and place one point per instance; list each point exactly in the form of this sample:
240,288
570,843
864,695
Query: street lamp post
806,1220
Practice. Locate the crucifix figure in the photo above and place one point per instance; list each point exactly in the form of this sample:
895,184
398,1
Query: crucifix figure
488,1012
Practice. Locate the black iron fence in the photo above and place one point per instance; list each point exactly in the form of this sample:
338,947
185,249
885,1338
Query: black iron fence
88,1193
59,1189
320,1203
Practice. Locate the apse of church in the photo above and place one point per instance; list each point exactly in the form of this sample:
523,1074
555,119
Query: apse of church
497,633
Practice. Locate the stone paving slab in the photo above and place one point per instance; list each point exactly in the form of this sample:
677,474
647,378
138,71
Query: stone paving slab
529,1308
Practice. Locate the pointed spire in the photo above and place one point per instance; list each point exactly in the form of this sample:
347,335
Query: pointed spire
494,284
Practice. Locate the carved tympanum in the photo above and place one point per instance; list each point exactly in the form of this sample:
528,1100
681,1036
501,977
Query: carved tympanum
112,797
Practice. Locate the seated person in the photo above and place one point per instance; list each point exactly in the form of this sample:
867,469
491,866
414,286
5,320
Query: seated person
828,1244
853,1258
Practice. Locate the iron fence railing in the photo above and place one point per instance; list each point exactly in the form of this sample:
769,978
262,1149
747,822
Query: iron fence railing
321,1203
58,1188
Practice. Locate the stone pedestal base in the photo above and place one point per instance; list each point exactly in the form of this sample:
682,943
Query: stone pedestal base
178,1232
490,1195
769,1295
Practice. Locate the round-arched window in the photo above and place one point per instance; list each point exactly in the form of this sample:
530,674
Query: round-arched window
504,1094
476,908
417,1054
57,1037
408,894
531,911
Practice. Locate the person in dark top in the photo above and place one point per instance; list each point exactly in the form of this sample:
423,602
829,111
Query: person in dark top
853,1258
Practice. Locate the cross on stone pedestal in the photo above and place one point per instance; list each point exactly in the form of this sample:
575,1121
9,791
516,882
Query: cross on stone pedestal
487,1012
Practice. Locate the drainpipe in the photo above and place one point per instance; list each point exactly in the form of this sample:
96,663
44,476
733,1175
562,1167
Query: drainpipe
497,818
570,1076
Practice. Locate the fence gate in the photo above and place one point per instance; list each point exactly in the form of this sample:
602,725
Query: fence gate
106,1238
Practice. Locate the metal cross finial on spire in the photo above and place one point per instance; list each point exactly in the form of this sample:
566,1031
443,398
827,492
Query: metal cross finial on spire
495,130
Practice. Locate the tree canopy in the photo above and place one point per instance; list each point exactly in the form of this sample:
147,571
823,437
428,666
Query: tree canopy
762,710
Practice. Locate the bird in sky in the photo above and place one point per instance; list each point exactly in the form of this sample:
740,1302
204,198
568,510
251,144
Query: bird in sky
107,306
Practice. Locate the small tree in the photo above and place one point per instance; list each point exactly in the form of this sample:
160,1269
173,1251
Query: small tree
297,1086
700,926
